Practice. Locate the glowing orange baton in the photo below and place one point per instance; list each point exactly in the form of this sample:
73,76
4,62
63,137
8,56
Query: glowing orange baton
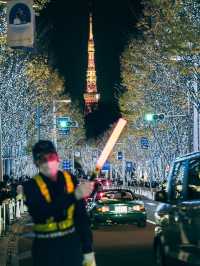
111,143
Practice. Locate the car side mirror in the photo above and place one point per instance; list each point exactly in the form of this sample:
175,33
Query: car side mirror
161,196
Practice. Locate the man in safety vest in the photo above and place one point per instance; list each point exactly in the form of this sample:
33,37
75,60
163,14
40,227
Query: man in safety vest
61,225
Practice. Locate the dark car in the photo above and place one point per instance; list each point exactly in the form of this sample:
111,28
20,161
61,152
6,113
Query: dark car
104,182
177,232
116,206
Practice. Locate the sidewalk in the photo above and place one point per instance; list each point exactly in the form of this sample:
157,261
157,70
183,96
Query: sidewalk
3,249
14,247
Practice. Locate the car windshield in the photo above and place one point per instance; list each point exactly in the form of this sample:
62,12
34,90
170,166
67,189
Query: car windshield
115,195
194,179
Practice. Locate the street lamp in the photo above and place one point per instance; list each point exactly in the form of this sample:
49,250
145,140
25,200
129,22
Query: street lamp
54,119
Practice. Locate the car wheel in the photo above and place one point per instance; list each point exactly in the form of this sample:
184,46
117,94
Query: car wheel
142,224
159,254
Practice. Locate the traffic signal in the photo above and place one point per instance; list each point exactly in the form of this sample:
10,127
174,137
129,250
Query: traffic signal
63,125
149,117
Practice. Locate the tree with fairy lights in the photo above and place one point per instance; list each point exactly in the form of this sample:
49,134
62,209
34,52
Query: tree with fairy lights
157,70
27,81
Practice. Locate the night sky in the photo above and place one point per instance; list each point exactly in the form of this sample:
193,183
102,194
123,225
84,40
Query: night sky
66,40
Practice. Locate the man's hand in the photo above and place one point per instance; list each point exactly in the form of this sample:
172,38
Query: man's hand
84,190
89,259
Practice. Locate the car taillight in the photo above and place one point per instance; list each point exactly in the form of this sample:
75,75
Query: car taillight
104,209
138,208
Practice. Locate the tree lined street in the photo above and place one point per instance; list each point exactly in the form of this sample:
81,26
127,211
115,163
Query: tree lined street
108,94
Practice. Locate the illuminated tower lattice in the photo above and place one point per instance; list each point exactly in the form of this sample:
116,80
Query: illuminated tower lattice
91,96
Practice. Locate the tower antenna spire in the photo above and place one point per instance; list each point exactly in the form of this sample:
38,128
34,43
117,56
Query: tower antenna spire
91,96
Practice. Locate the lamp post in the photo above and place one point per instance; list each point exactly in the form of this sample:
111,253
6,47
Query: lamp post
54,119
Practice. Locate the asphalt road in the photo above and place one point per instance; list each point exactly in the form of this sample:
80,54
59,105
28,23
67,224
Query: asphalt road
124,246
115,245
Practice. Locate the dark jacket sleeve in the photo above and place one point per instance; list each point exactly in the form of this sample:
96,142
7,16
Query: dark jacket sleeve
38,208
82,224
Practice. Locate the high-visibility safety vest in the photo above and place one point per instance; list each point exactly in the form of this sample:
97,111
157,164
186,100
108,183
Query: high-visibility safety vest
51,225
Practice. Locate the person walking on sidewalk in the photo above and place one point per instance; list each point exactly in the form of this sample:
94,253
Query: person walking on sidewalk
56,203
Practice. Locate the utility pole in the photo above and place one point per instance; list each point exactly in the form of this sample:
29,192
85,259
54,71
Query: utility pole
73,160
54,120
196,123
1,159
54,124
124,163
190,125
38,121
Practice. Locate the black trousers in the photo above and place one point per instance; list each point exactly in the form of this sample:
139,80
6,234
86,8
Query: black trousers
61,251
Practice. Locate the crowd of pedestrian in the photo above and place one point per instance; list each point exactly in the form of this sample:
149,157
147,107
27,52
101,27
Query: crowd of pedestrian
10,186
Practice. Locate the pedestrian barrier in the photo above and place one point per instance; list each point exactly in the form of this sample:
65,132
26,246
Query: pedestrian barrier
10,211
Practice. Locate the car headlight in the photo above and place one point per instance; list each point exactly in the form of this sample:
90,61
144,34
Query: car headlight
138,208
104,209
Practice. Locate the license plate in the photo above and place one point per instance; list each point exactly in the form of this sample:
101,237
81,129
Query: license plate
121,209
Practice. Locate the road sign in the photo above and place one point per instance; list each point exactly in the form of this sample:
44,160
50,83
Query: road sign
129,166
94,158
119,155
67,165
77,154
20,20
106,166
144,143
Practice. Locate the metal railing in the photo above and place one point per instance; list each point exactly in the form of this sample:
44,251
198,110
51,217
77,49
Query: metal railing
11,210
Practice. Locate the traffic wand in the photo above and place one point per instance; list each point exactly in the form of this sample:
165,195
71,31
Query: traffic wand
111,143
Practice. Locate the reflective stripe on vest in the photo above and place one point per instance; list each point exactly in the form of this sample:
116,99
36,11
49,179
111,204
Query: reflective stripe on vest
44,190
50,225
69,183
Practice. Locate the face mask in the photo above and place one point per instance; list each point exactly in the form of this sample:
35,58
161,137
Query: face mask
50,168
